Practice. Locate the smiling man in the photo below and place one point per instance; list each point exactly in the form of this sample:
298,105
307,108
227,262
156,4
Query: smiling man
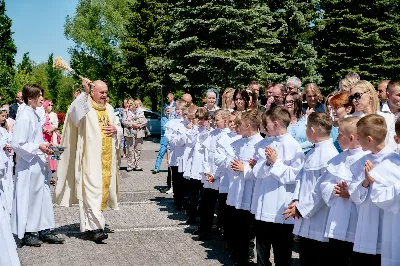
88,170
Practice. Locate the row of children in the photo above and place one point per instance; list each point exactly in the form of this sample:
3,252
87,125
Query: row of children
342,206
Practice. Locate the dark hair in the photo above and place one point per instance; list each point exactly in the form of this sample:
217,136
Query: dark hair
298,104
31,91
245,96
397,127
280,114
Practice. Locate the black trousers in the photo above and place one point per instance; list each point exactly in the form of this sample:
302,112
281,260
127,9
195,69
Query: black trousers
340,253
280,237
362,259
207,210
229,227
177,186
169,177
313,252
195,188
244,232
222,211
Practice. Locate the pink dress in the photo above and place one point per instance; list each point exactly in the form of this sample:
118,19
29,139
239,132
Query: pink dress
48,138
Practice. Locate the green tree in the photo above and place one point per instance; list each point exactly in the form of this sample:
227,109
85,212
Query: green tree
7,54
360,36
26,64
53,79
219,44
64,94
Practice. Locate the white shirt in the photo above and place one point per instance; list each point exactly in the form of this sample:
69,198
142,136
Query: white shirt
198,154
308,191
175,134
275,184
368,238
342,218
39,111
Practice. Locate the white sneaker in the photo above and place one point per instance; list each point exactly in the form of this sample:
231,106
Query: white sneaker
169,191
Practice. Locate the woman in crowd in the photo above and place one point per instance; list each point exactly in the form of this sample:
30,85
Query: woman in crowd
241,99
212,99
341,108
50,134
297,127
134,131
164,146
314,99
227,99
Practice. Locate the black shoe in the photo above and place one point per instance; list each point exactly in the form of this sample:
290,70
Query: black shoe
165,189
154,172
51,238
31,240
198,232
97,236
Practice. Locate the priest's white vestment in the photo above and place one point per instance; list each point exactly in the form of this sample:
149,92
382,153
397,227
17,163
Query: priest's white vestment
89,168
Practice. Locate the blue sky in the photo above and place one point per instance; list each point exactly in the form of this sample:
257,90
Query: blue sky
38,27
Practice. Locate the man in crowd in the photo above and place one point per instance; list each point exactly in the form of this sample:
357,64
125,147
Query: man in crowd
171,103
382,86
187,98
293,84
255,86
276,97
88,170
14,107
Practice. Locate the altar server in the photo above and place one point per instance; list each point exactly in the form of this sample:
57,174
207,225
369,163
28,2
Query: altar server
279,161
241,187
342,217
6,181
308,203
32,210
371,130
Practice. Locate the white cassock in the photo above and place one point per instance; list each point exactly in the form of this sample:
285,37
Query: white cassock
368,238
6,182
385,193
39,111
89,168
311,205
275,183
342,218
32,209
8,249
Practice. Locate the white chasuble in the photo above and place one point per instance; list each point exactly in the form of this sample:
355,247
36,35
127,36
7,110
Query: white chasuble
88,169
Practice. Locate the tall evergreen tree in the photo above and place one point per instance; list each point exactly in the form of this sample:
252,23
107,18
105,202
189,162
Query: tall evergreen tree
221,43
26,64
7,53
360,36
53,78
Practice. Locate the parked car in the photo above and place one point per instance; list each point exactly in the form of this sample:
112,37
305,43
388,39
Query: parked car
153,122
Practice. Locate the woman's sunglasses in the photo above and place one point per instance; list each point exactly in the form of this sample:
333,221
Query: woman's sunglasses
356,96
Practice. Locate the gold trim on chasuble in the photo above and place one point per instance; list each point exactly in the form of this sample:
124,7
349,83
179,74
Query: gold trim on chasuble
106,152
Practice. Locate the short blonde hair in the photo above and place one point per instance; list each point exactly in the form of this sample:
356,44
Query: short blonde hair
349,124
372,125
202,114
252,117
367,86
223,113
313,87
346,83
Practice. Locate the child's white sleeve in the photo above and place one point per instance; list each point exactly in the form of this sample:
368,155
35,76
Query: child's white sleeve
20,141
286,171
261,169
328,187
357,192
386,197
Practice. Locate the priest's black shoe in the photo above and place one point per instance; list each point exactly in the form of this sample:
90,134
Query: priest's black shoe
108,230
99,235
31,240
50,237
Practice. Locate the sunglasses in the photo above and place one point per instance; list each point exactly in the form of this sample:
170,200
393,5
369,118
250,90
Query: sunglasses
356,96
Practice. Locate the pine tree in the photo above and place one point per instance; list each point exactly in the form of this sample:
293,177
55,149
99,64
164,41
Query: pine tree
53,79
26,64
221,43
7,54
360,36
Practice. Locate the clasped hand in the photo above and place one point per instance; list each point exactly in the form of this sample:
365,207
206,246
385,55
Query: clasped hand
109,130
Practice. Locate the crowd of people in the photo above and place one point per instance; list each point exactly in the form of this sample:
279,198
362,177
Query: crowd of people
320,171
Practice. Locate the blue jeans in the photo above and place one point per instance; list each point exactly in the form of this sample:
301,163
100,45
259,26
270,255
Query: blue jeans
163,149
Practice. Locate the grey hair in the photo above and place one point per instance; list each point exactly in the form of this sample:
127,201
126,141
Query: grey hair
216,95
295,81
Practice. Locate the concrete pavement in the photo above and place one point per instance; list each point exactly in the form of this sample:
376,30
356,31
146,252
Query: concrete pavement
147,229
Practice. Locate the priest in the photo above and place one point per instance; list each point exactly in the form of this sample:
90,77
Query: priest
89,168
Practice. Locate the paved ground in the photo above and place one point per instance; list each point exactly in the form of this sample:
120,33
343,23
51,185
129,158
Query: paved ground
148,231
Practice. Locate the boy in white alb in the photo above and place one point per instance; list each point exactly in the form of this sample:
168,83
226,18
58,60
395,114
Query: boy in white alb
279,160
196,167
223,156
241,188
371,130
308,203
385,193
210,183
342,217
175,134
32,211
